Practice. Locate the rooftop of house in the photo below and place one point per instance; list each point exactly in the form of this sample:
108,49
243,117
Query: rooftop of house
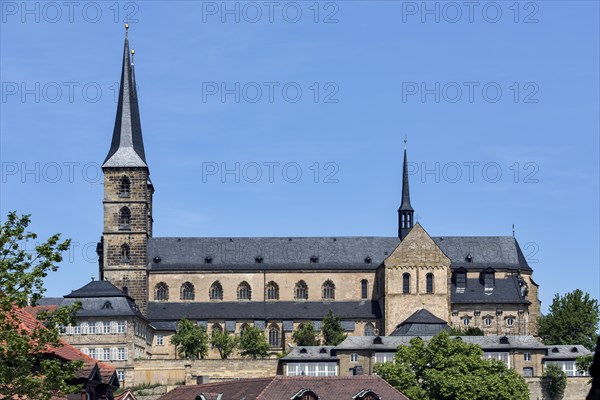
289,387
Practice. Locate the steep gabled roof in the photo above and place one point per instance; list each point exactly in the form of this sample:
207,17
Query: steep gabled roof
97,289
421,323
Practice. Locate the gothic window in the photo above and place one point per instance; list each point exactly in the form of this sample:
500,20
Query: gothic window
429,282
369,329
124,187
187,291
244,292
244,328
510,321
328,290
217,328
274,335
124,218
487,321
364,289
161,292
216,291
301,291
272,291
125,253
466,321
406,283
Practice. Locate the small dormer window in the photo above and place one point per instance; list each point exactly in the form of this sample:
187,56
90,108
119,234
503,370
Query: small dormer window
555,350
324,350
156,259
574,350
504,340
314,260
303,351
208,260
107,306
377,340
469,258
258,260
368,260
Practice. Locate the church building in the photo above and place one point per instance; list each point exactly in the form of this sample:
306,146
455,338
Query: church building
277,283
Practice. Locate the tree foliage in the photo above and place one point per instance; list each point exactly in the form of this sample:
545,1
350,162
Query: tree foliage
26,370
554,381
305,335
253,343
449,369
470,331
333,333
224,342
573,319
191,340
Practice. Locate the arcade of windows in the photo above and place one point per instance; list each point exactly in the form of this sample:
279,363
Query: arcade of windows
244,290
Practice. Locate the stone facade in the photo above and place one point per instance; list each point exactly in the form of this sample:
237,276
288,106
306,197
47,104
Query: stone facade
127,222
406,271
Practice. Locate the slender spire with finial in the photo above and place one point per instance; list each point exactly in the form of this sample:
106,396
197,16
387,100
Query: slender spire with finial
513,230
127,147
405,212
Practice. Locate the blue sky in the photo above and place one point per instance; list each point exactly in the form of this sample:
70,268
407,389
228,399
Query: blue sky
499,102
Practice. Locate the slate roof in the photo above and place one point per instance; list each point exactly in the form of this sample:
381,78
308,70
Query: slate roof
286,387
102,299
127,147
391,343
334,253
505,290
97,289
311,353
421,323
161,312
566,352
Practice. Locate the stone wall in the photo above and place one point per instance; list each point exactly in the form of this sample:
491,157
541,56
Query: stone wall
577,388
173,372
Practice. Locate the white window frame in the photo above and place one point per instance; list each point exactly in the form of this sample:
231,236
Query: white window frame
384,357
160,340
106,327
354,357
527,356
122,327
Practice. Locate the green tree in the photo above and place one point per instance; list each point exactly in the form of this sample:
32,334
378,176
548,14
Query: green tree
190,339
470,331
224,342
305,335
573,319
554,381
333,333
449,369
25,369
253,343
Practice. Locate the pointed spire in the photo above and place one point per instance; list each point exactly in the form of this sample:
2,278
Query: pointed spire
127,147
405,190
405,212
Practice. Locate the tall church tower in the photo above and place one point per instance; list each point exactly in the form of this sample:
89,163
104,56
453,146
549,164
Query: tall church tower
127,195
405,212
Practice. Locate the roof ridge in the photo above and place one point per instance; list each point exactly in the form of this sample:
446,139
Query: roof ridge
275,378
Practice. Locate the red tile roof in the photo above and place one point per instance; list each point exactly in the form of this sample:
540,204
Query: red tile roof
66,352
284,387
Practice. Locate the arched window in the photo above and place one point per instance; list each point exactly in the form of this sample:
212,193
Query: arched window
216,328
216,291
272,291
187,291
161,292
429,282
328,290
244,292
369,329
406,283
244,328
301,291
124,187
125,253
124,218
364,289
274,335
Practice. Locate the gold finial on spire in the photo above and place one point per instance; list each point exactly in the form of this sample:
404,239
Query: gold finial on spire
405,140
126,26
